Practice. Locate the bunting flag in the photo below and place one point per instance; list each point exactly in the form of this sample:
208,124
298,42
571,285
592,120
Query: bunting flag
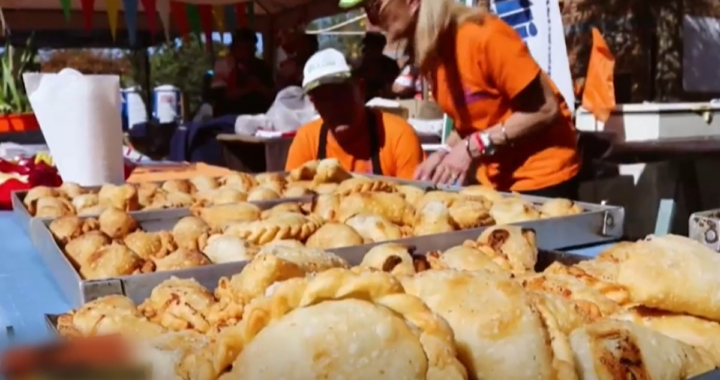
193,16
130,8
112,8
230,19
206,23
251,14
150,12
163,10
3,26
180,18
65,4
88,8
218,12
241,15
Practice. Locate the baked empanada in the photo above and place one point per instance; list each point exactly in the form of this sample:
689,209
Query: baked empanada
283,208
171,199
332,326
71,190
179,304
180,259
363,184
110,261
374,228
204,182
117,224
178,185
433,218
558,207
326,205
391,206
329,170
79,249
515,247
464,258
240,181
308,259
108,315
191,232
262,193
488,193
513,210
220,216
222,249
150,244
123,197
277,227
36,193
306,172
334,235
412,194
67,228
325,188
392,258
593,304
84,201
467,214
52,208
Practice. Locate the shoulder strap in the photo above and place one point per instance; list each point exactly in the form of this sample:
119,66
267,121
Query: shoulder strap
372,126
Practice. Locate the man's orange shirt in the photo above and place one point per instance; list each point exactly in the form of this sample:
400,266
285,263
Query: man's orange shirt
490,67
400,151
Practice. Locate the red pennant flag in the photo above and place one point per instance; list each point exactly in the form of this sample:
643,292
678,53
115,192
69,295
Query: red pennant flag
241,15
206,23
151,15
179,15
88,8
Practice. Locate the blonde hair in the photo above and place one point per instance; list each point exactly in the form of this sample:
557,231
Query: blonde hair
433,19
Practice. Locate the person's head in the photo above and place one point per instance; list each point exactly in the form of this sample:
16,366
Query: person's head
307,45
419,21
328,82
374,44
244,44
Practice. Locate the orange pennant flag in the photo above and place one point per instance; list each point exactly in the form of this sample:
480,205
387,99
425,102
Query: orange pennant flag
112,7
599,93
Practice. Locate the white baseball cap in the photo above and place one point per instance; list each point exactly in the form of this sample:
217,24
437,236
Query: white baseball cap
324,67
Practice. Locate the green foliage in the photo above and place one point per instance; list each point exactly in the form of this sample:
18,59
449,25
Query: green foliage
13,63
350,45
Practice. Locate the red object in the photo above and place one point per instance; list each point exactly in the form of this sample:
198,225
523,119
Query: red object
478,141
88,8
150,13
129,167
179,14
206,23
39,174
24,122
6,190
241,14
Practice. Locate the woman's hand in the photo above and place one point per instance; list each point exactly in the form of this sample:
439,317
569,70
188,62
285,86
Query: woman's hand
454,166
425,171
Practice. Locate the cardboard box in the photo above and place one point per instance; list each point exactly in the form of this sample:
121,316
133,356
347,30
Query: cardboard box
421,109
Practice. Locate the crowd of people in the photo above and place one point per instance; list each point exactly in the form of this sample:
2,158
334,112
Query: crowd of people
513,129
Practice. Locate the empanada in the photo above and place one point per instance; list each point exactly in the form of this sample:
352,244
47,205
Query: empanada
515,247
150,244
179,304
374,228
277,227
124,197
363,184
170,199
308,259
71,190
444,197
191,232
467,214
326,205
297,191
488,193
412,194
334,235
204,182
178,185
558,207
220,216
392,258
84,201
262,193
464,258
67,228
593,303
330,170
108,315
36,193
240,181
310,324
282,208
325,188
433,218
513,210
306,172
220,196
111,261
79,249
117,224
180,259
52,208
222,249
391,206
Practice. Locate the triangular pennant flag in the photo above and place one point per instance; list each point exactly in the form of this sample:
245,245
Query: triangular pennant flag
88,9
65,4
163,10
206,23
218,12
130,8
193,16
150,12
241,15
251,14
3,26
179,16
112,7
230,18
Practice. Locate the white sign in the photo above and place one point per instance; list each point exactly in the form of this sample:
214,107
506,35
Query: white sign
539,23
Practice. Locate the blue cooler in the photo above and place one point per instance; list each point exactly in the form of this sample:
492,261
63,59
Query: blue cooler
167,104
133,107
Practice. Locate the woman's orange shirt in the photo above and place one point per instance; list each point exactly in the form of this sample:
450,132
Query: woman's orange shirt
400,151
490,66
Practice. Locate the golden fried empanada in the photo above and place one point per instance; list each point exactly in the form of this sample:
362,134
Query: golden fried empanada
306,172
412,194
222,249
515,247
364,184
608,288
445,197
463,258
204,182
308,259
150,244
117,224
280,226
220,216
146,192
467,213
262,193
609,350
325,188
558,207
391,206
240,181
180,259
326,205
273,181
79,249
593,304
294,190
170,199
108,315
53,207
71,190
123,197
488,193
85,201
283,208
179,304
311,322
492,318
178,185
67,228
330,170
334,235
513,210
191,232
392,258
374,228
220,196
36,193
110,261
433,218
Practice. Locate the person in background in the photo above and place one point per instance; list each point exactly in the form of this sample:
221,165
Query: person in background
242,83
510,119
291,69
376,70
363,140
408,84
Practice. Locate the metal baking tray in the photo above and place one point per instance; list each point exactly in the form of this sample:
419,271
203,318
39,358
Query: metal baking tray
545,258
78,291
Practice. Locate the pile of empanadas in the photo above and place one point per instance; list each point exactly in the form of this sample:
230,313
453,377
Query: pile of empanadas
644,310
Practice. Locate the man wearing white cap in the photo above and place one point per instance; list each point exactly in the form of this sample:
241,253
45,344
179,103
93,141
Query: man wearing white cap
363,140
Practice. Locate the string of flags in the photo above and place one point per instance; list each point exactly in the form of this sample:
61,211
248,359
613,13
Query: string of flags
187,18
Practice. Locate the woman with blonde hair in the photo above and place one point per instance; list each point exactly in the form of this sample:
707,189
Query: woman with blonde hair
511,122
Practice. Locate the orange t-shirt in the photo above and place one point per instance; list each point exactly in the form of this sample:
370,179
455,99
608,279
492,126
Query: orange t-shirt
492,65
400,151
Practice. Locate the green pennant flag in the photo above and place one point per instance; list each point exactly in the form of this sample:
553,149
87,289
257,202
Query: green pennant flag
251,14
193,15
65,4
